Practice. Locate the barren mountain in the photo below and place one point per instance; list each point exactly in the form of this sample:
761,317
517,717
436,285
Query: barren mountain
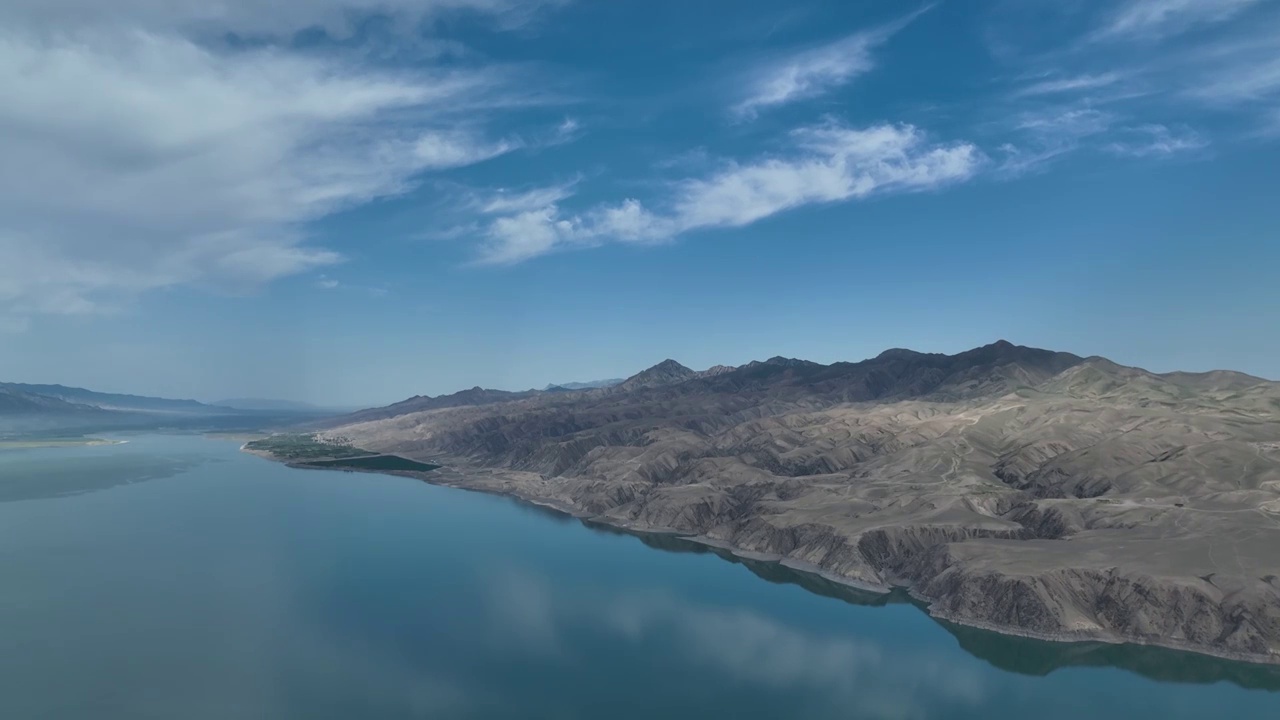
1018,489
422,403
667,372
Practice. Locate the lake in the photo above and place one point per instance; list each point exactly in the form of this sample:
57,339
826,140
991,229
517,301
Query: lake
175,577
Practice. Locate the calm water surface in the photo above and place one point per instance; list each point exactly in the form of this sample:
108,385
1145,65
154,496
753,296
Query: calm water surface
174,577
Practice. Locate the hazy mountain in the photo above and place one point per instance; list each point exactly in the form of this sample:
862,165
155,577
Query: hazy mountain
19,402
582,385
1012,487
423,403
24,411
270,405
112,401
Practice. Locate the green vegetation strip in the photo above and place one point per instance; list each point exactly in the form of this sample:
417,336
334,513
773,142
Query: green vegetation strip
377,462
305,448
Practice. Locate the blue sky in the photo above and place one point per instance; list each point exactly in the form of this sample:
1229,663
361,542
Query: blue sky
353,201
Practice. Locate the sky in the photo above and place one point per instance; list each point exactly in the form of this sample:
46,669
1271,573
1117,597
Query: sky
349,202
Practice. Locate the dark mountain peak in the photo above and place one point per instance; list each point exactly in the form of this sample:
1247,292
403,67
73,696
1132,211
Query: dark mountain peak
716,370
780,361
667,372
1003,352
668,365
997,350
898,354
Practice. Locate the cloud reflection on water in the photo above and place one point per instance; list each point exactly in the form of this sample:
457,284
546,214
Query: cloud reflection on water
851,676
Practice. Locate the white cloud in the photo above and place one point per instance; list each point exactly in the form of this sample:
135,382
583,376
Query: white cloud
835,163
527,235
137,158
815,71
456,148
1153,18
829,163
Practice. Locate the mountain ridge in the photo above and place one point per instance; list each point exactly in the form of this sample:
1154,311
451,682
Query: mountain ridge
959,476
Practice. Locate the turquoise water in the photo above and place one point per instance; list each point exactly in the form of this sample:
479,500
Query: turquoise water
174,577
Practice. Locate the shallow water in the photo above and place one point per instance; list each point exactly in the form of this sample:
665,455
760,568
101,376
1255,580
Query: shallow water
176,577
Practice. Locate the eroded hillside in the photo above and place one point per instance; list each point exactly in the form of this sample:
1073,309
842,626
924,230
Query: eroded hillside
1019,489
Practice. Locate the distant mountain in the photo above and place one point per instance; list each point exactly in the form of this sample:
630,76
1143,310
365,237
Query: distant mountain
422,403
270,405
112,401
18,402
591,385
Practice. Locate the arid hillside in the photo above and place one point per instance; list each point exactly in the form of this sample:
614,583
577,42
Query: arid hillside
1024,490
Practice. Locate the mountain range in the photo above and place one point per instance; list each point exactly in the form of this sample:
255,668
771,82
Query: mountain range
1013,488
27,398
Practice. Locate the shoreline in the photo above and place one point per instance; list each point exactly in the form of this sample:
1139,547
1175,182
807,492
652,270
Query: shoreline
59,443
928,604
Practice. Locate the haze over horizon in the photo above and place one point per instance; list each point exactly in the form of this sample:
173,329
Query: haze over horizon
348,202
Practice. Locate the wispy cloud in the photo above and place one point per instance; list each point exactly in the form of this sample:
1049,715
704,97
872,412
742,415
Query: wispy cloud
1241,79
1043,136
1061,124
255,17
506,201
1156,18
1075,83
329,284
1156,141
1135,95
138,158
1047,135
816,71
828,163
567,131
